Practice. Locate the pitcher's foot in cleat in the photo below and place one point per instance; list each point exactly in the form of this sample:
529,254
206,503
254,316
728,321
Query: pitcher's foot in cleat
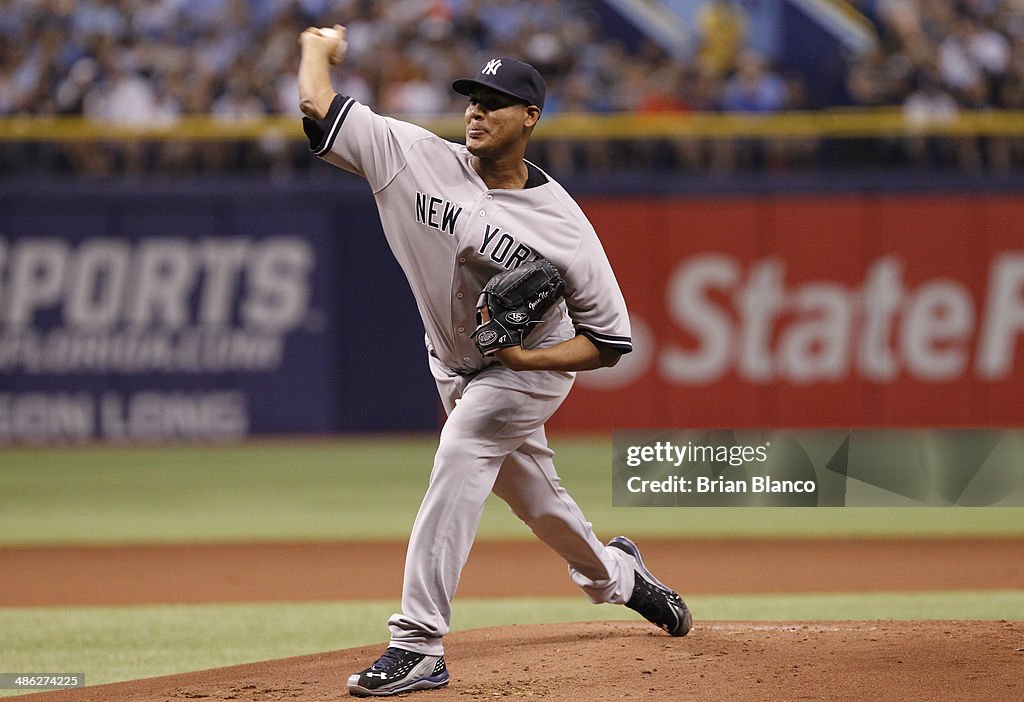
652,599
398,671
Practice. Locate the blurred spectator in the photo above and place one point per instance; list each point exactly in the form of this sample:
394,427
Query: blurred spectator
722,25
929,106
754,87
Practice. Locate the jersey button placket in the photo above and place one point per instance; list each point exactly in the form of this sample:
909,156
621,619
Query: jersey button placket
460,295
482,201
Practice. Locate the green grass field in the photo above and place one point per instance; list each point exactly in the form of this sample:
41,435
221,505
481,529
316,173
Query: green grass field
365,488
368,488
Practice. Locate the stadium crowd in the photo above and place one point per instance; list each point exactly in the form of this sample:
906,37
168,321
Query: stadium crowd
936,58
147,62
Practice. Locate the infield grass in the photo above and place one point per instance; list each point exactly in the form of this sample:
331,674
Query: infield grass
109,644
364,488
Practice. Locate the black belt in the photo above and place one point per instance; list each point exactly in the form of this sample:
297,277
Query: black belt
459,371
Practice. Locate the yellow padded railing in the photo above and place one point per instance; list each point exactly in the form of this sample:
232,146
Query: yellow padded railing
837,124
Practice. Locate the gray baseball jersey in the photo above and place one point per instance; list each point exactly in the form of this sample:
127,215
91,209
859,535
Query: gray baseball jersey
451,233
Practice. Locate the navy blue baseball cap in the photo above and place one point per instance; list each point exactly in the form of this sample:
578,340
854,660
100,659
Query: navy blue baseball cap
509,76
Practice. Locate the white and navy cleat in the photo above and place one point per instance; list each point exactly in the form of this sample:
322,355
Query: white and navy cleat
396,671
651,598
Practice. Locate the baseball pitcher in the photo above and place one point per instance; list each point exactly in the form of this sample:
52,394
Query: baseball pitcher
516,295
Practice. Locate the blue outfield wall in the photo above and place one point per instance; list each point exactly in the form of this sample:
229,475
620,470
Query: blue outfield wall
209,310
156,310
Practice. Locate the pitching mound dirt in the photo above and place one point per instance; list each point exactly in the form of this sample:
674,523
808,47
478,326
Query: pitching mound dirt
884,661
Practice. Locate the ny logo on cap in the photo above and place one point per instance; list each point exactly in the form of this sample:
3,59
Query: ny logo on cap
491,69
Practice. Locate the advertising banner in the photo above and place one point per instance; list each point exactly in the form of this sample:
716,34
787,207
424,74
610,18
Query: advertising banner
159,314
824,311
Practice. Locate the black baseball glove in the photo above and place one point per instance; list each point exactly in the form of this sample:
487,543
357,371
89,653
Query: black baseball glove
516,300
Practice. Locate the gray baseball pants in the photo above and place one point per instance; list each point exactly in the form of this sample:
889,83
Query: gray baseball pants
494,440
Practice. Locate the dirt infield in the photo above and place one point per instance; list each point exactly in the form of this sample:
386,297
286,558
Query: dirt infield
563,662
323,571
